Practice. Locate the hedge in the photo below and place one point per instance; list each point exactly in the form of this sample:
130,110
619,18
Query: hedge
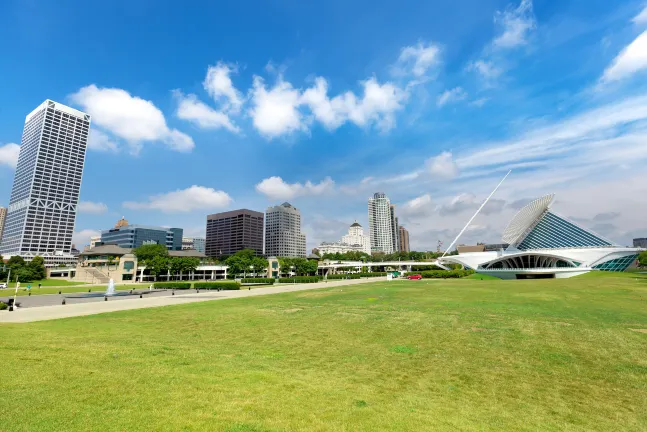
300,279
224,285
373,274
343,276
267,281
175,285
445,274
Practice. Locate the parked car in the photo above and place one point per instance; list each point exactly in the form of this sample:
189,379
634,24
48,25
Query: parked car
3,285
414,277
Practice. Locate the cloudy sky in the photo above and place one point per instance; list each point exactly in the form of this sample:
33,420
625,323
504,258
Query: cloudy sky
199,108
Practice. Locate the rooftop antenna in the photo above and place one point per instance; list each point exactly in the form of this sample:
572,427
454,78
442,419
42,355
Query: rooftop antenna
475,214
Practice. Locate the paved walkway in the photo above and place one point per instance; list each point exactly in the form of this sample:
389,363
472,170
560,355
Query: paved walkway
22,315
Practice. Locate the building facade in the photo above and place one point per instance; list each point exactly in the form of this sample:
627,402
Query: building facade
337,247
283,236
42,209
403,239
134,236
395,231
193,243
356,236
640,243
3,216
232,231
94,240
381,222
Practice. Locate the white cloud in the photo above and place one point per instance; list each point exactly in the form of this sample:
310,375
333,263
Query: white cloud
275,111
417,59
377,105
442,166
185,200
277,188
454,95
641,18
632,58
418,207
191,109
92,207
219,86
9,155
485,68
515,25
129,117
100,141
82,238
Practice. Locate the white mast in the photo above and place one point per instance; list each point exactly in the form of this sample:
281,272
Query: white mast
475,214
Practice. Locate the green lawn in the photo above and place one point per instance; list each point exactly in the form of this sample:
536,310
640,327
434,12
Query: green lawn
46,283
468,355
23,291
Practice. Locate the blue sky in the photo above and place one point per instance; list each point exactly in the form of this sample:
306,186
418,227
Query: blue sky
200,107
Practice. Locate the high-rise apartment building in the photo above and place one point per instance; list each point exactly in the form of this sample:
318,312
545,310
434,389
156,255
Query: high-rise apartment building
283,236
235,230
193,243
395,232
382,224
42,209
640,242
3,216
134,236
403,238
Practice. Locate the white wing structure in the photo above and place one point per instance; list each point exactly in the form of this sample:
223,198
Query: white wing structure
525,220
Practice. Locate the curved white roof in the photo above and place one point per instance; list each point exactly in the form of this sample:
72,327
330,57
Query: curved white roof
525,218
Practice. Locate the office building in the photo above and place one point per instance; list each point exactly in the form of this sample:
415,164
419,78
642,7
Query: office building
640,242
235,230
193,243
3,216
403,239
94,240
283,236
134,236
382,222
542,244
42,209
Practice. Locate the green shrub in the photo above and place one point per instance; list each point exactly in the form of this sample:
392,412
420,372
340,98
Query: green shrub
224,285
343,276
300,279
373,274
445,274
3,305
174,285
267,281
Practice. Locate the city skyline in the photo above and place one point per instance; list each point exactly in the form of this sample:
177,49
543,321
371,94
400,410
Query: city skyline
431,113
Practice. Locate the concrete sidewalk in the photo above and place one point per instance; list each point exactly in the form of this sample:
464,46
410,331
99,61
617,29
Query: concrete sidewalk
71,310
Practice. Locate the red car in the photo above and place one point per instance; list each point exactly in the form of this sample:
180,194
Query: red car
414,277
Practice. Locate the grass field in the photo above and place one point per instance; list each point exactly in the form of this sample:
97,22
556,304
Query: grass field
546,355
23,291
46,283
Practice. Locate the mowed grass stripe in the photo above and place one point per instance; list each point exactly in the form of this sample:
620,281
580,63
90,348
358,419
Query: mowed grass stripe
411,355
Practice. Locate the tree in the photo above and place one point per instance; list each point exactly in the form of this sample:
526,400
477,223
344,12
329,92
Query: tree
37,268
311,267
259,265
158,265
16,262
642,259
237,264
147,252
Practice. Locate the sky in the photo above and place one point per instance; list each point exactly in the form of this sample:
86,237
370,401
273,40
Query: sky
201,107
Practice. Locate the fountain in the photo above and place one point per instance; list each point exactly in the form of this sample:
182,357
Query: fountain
110,291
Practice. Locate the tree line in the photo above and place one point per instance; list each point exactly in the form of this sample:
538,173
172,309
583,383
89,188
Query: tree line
24,271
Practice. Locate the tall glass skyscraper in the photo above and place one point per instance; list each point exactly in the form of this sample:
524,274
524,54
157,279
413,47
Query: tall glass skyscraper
42,209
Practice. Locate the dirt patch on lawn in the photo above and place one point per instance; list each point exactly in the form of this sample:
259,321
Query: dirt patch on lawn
639,330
